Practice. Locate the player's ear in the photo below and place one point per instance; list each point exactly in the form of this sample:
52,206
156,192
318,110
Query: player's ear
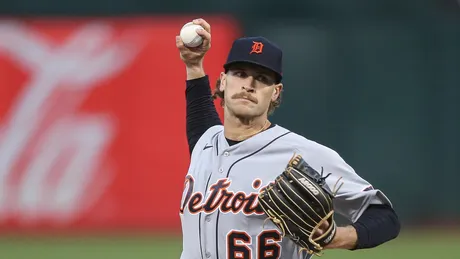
277,91
223,81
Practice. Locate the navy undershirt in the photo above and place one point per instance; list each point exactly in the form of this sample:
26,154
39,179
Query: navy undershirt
377,224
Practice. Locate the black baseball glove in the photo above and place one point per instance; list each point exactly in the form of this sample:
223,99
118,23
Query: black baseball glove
300,203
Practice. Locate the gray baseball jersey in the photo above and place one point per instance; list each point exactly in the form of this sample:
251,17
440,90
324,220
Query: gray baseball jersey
219,213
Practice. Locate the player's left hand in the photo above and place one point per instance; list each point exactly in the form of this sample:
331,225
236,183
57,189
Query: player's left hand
300,203
321,230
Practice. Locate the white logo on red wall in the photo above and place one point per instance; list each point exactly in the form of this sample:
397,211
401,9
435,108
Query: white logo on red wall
50,152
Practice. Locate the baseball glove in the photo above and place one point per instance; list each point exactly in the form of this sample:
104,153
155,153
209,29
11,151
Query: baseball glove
299,202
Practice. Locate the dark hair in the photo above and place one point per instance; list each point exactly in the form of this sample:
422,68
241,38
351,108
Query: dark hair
217,93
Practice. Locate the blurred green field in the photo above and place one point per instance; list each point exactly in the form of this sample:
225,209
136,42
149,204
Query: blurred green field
413,244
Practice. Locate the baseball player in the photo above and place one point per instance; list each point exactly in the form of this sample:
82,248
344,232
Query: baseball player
232,162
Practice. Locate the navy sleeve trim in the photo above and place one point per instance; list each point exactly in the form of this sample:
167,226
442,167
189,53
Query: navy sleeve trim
201,114
377,225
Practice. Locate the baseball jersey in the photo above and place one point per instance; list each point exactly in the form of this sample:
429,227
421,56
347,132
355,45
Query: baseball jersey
218,210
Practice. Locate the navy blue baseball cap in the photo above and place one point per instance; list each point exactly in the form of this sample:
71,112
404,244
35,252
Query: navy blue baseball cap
258,51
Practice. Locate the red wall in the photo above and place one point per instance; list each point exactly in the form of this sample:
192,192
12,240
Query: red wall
92,121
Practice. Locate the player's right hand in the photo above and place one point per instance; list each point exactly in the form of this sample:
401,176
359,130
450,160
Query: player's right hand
194,56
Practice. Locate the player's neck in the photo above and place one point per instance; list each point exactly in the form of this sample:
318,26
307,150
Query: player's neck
237,129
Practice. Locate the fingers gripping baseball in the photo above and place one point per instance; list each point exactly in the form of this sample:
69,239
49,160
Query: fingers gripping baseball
194,55
206,33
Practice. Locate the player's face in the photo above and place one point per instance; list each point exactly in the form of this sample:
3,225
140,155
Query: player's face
249,90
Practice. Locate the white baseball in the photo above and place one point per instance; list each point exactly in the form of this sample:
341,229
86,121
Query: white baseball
189,36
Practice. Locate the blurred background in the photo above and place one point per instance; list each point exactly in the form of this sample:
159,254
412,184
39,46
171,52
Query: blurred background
93,150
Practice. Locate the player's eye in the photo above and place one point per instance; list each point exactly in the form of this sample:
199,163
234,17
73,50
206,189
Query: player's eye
239,73
261,78
264,79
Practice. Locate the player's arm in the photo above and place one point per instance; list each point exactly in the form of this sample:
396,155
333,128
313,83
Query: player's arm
373,219
377,225
201,113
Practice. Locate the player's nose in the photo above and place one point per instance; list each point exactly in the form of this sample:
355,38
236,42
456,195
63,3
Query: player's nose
249,84
248,88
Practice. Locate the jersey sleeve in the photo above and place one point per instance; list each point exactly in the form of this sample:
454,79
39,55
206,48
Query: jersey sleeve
355,193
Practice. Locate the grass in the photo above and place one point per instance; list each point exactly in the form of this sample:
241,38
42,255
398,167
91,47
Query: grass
413,244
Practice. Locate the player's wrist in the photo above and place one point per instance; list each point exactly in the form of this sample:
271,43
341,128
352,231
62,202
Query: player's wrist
195,71
345,238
